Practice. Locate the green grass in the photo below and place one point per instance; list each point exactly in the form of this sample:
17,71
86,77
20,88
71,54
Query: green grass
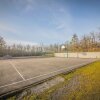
88,83
82,84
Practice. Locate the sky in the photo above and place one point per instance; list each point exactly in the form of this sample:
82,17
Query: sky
47,21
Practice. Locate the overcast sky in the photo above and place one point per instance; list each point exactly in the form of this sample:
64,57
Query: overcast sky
47,21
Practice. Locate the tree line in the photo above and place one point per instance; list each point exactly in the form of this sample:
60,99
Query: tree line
86,43
19,49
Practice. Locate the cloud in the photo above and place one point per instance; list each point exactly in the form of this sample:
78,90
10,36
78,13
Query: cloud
7,28
11,42
9,32
60,26
53,21
25,5
62,19
28,8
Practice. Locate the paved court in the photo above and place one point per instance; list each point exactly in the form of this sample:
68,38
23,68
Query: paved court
17,73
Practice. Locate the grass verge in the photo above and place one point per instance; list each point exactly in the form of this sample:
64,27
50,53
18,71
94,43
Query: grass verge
82,84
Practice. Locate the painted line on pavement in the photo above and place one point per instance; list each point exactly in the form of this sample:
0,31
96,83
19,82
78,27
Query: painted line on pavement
17,70
46,74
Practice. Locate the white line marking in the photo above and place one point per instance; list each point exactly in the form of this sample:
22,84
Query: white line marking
45,74
11,84
17,70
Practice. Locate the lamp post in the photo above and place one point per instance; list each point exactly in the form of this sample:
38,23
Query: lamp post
65,47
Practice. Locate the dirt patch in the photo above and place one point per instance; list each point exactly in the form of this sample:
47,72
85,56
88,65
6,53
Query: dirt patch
46,85
64,91
41,87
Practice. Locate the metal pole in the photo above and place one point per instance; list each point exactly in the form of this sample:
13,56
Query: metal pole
67,48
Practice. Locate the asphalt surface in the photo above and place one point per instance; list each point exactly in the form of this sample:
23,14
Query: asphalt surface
18,73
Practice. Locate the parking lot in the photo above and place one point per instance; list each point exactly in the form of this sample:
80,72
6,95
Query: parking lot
18,73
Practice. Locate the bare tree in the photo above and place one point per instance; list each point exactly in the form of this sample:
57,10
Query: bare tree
74,42
2,46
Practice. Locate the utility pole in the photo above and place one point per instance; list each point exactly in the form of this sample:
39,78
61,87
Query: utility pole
66,48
